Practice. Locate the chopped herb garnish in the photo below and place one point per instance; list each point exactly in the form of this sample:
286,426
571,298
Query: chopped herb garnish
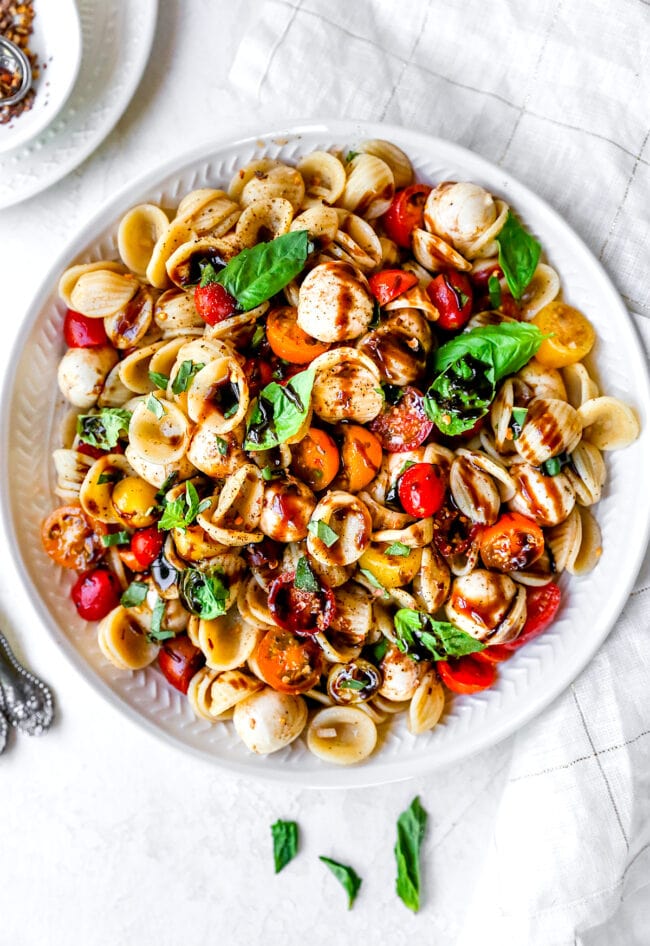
346,876
168,483
406,466
157,632
554,465
351,684
231,411
134,595
285,843
113,477
494,289
160,380
376,315
322,531
423,638
398,548
411,826
185,376
258,336
379,649
103,430
154,405
222,446
351,155
259,272
517,421
305,580
371,578
519,254
204,593
116,538
181,512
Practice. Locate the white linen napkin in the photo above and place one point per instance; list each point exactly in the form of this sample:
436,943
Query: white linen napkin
557,94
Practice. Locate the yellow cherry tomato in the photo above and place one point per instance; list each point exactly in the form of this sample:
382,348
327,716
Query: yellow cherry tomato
571,335
133,500
391,571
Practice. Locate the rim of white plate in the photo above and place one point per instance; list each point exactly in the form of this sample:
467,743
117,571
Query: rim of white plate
537,673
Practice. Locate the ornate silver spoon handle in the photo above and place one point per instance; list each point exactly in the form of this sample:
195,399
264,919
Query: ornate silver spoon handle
4,727
24,699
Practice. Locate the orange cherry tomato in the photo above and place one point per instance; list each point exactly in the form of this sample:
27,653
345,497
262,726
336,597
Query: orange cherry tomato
405,213
391,283
315,459
466,674
514,542
71,539
287,339
288,663
361,456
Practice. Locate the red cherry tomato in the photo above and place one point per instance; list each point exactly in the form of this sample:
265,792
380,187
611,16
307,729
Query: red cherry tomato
258,374
288,663
453,532
404,424
494,654
214,303
421,490
405,213
481,273
452,295
513,542
542,605
146,545
303,612
179,660
391,283
95,594
466,674
81,332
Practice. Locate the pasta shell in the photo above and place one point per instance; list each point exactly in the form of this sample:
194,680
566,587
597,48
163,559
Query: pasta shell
336,651
209,212
216,454
175,314
264,220
431,584
184,264
192,544
389,253
485,244
401,675
540,381
393,156
253,605
71,276
114,393
229,688
227,641
334,303
71,469
233,518
350,520
493,467
415,536
321,223
352,621
542,289
427,704
324,176
343,735
382,517
134,369
460,212
474,492
158,473
356,243
580,386
123,642
399,347
591,547
564,540
102,292
82,373
259,167
333,575
413,301
588,473
269,721
95,497
346,386
128,327
370,186
608,423
139,230
480,602
160,439
178,232
435,254
216,390
277,182
551,427
546,499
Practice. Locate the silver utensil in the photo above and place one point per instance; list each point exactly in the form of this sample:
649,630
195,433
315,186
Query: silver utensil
4,731
24,699
14,60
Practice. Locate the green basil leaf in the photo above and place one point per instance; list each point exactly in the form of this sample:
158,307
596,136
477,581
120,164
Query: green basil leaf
160,380
154,405
411,826
279,412
113,477
351,684
422,638
181,512
398,548
256,274
168,483
517,421
157,632
116,538
554,465
322,531
371,578
285,843
103,430
185,376
494,289
506,347
346,876
379,650
203,593
258,337
134,595
305,580
222,446
519,254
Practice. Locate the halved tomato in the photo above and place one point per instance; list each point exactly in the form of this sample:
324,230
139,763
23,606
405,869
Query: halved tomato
288,663
71,539
403,424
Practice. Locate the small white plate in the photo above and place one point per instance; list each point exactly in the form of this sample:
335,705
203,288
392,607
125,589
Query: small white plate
116,42
56,43
31,408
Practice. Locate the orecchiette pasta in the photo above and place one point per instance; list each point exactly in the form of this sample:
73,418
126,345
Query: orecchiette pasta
325,447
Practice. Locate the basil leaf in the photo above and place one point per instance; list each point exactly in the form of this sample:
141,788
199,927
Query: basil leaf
185,376
116,538
134,595
398,548
181,512
279,412
168,483
113,477
506,347
494,290
379,650
517,421
154,405
411,826
203,593
256,274
371,578
351,684
322,531
423,638
554,465
103,430
258,337
285,843
305,580
222,446
346,876
519,254
160,380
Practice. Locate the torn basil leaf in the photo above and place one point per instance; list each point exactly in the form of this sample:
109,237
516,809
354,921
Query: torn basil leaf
519,254
154,405
285,843
398,548
305,580
160,380
494,290
423,638
134,595
256,274
322,531
185,375
347,876
116,538
279,412
203,593
411,826
103,430
157,632
181,512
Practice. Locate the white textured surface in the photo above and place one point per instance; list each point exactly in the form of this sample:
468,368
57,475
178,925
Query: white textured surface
111,836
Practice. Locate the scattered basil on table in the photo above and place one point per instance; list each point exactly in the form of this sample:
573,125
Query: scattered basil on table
285,843
411,826
347,876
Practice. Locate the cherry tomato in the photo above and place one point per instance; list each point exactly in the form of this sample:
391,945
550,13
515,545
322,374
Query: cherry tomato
146,545
214,303
421,490
315,459
258,374
453,532
452,295
179,660
90,451
481,273
287,663
81,332
304,612
466,674
391,283
71,539
512,543
405,213
402,425
494,653
542,605
95,594
287,339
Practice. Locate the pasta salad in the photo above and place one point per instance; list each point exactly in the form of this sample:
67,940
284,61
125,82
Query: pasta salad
332,443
